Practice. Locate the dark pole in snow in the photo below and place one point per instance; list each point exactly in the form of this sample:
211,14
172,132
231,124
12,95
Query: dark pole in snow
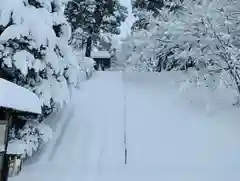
125,125
125,156
89,46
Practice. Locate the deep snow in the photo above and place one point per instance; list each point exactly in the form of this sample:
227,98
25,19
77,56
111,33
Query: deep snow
170,136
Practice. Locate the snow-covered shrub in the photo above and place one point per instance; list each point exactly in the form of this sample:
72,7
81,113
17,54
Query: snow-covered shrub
29,139
209,40
86,65
142,49
201,34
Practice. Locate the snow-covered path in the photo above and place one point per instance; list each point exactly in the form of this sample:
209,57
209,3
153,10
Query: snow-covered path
144,113
94,138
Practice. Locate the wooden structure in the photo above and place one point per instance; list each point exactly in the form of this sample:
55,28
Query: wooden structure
14,101
102,59
14,164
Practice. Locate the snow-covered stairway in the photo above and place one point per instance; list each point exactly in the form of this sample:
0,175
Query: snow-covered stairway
166,138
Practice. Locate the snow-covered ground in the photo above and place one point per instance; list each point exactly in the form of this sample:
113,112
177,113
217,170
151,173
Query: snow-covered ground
170,136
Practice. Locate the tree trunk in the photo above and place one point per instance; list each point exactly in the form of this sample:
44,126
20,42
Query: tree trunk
89,46
98,16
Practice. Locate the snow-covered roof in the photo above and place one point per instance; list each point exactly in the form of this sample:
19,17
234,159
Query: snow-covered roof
100,54
18,98
16,147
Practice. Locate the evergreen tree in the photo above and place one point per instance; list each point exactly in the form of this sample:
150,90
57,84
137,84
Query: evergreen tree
95,19
34,50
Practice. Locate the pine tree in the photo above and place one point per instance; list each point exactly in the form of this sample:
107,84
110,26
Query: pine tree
34,50
34,53
95,19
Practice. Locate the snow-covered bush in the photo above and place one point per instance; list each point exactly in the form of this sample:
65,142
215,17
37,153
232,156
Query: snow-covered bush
142,49
201,34
86,65
208,40
29,139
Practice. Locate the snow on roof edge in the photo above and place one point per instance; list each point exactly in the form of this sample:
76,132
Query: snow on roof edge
2,148
16,147
100,54
18,98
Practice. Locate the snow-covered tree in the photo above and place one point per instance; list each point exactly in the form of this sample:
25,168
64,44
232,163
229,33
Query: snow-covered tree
202,34
95,19
210,41
141,9
144,45
151,25
34,50
34,53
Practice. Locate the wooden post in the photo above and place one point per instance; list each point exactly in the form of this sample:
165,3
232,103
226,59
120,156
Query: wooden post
4,176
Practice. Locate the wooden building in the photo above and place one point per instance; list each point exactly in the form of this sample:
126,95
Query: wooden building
14,101
102,59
